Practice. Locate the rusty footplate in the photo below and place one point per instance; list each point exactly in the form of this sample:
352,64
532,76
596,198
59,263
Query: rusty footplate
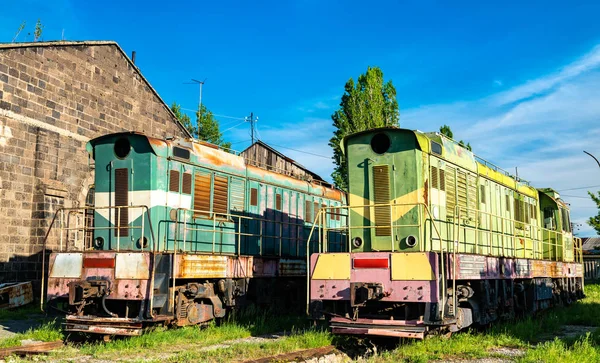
387,328
105,326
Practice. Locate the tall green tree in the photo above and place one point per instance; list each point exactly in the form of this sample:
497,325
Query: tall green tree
447,131
367,103
595,220
208,128
183,118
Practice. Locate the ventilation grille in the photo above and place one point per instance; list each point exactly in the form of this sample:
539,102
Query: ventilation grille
186,183
471,196
308,212
237,195
174,181
220,195
434,178
381,181
442,180
122,199
450,191
202,194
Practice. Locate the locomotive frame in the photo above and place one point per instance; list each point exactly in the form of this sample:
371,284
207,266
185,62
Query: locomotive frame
182,232
438,240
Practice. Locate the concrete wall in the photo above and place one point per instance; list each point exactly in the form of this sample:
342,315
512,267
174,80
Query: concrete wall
54,97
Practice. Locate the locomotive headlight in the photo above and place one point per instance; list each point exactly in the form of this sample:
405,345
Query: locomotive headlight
436,212
411,241
357,242
98,242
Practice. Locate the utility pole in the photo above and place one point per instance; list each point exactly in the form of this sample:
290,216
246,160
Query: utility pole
200,84
252,121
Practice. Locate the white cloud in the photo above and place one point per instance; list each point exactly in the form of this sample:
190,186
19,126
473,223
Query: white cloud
498,83
541,127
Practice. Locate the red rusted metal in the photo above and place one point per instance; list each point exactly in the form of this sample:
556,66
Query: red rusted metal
371,262
414,329
13,295
98,262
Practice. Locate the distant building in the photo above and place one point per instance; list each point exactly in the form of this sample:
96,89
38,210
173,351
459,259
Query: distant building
590,243
264,156
54,97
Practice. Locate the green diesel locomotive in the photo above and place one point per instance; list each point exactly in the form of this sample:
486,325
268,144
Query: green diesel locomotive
179,232
438,239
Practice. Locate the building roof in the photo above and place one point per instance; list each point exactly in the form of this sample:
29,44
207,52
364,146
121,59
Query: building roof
286,158
590,243
70,43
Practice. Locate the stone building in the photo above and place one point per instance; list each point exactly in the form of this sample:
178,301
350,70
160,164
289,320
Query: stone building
54,97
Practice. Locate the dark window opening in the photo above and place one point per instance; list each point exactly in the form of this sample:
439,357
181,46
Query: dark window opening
253,197
278,201
380,143
182,153
436,148
122,147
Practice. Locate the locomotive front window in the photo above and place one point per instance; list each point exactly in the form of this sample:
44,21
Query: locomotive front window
436,148
380,143
182,153
122,148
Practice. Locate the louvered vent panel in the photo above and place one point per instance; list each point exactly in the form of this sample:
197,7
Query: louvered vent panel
450,191
202,194
442,180
186,183
381,186
472,196
434,178
461,191
122,199
174,181
237,195
308,212
220,195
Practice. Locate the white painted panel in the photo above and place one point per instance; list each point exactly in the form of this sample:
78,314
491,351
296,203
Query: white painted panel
131,266
67,265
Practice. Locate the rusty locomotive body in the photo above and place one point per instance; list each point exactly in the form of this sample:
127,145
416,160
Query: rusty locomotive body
179,232
438,239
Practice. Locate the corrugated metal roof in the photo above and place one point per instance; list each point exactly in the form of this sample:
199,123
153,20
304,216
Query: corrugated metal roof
590,243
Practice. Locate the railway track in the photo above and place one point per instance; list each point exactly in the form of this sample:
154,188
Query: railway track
30,349
298,356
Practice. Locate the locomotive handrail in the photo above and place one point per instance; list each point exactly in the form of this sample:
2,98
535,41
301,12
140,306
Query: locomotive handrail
231,218
61,211
320,217
536,235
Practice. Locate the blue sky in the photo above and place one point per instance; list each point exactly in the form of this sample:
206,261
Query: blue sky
520,82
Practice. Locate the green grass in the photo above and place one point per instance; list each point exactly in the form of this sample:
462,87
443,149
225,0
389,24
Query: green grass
47,332
246,323
243,351
535,335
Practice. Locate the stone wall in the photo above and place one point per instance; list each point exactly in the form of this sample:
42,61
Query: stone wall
54,97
